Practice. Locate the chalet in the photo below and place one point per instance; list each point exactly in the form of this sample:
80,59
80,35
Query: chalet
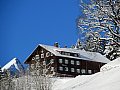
67,62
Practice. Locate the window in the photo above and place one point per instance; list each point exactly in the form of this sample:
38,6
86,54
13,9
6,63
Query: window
75,55
72,70
33,58
37,57
79,55
66,61
61,68
66,53
83,71
77,62
47,54
78,70
42,55
72,62
60,61
66,68
89,71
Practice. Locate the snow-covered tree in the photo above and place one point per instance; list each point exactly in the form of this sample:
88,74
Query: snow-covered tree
6,82
103,17
39,74
78,45
0,73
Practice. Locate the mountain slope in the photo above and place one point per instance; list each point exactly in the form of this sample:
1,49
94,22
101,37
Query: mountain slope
14,64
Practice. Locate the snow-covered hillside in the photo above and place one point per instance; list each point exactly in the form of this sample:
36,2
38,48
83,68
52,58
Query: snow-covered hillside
107,79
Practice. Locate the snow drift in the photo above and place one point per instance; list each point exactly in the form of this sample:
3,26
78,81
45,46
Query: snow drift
113,64
107,79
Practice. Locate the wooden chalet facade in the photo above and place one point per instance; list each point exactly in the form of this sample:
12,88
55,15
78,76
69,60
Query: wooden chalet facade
66,62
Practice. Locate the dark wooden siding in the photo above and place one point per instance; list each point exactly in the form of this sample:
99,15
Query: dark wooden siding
84,64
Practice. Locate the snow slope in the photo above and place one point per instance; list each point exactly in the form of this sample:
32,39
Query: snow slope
107,79
111,65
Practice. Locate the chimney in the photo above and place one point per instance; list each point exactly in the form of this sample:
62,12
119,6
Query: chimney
56,44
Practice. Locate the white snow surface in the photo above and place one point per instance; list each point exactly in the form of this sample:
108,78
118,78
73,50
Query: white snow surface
84,55
108,79
9,64
113,64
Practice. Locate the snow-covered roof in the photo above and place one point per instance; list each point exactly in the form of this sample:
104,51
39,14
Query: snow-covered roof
84,55
9,64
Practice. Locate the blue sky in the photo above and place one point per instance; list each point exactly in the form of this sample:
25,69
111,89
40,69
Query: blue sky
26,23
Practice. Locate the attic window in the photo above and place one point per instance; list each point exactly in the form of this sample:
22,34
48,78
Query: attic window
68,53
64,53
76,55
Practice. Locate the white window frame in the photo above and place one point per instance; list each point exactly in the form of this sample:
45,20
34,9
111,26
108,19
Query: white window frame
60,68
89,71
83,71
33,58
47,54
42,55
66,68
78,70
72,62
77,62
60,60
72,69
66,61
37,56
